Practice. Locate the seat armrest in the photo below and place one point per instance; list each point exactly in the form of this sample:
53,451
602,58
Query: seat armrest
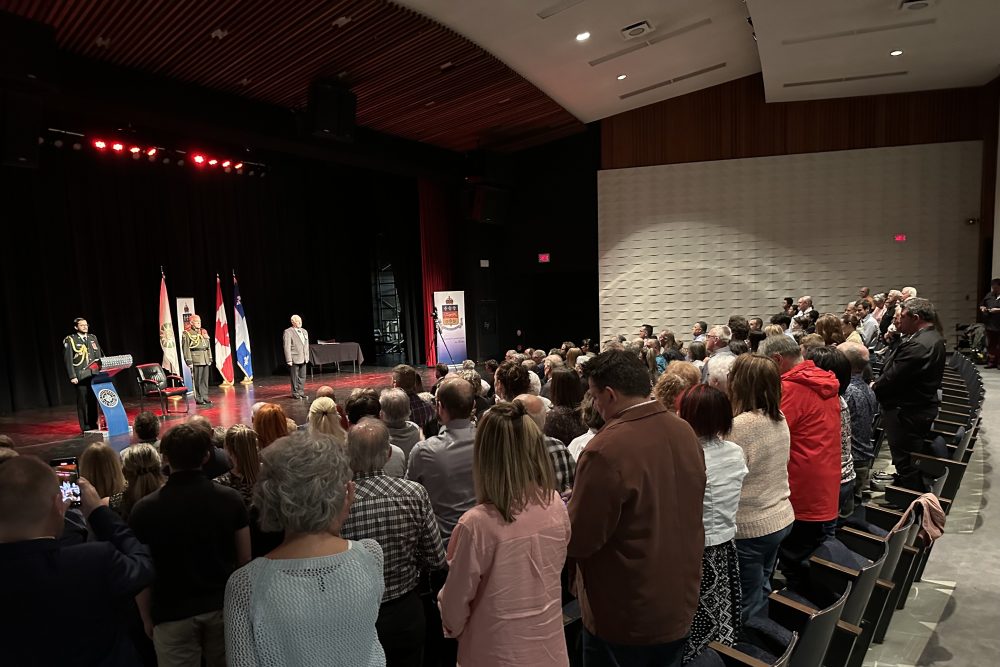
731,656
788,613
884,518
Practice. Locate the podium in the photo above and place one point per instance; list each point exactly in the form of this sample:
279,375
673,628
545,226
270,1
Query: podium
103,370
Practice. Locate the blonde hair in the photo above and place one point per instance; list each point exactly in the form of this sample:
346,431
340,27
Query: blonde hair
510,463
141,466
773,330
242,446
102,467
679,376
270,423
324,418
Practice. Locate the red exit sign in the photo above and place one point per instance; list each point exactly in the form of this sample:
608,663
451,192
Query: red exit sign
899,238
544,258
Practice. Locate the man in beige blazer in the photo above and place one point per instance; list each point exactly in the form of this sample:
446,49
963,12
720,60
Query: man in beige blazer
296,342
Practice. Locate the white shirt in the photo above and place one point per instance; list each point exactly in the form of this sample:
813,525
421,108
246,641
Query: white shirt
725,468
578,444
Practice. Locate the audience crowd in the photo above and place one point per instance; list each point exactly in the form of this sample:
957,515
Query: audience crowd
660,484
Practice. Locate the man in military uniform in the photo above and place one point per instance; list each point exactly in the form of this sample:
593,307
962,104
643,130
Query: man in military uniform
80,349
197,348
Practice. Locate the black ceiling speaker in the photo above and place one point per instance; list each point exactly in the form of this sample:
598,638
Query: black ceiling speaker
332,110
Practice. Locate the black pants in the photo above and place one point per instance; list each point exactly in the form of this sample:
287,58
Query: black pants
199,375
905,429
992,347
401,629
438,650
86,405
796,549
298,372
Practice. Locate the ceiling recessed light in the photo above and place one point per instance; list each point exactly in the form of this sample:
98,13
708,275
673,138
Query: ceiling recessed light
622,77
897,52
583,37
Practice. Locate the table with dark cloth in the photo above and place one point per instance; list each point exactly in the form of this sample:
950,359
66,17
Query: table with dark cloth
334,353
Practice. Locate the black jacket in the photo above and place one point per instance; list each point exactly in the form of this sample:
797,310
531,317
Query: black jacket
72,605
912,373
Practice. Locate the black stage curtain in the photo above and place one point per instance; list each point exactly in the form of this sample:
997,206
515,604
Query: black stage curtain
85,235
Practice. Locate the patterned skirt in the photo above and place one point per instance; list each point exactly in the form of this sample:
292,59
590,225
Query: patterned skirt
718,615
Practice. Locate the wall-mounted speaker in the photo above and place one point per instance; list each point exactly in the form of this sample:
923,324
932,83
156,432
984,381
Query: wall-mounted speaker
332,111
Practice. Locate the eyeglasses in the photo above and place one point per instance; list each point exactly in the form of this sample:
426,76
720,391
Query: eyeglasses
712,336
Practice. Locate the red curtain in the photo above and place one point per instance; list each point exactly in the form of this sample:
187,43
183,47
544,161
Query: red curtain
436,206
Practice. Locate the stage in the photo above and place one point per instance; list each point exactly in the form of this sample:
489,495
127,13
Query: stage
55,432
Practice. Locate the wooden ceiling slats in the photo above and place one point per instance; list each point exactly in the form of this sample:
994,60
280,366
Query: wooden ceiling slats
273,51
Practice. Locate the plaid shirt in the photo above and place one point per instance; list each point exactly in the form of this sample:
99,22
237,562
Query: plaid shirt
397,514
421,411
563,463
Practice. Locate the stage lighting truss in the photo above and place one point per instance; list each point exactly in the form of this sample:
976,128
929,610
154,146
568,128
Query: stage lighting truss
112,145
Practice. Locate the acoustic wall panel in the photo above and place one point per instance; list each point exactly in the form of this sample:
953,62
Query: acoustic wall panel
705,240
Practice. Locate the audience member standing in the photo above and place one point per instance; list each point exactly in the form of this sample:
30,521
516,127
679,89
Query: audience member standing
198,533
406,378
833,360
765,514
244,451
562,462
324,418
710,414
313,600
397,514
394,407
638,537
863,405
443,464
64,604
102,466
990,307
141,466
502,597
811,407
908,388
270,423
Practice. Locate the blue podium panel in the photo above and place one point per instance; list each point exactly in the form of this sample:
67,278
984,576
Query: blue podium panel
104,369
111,406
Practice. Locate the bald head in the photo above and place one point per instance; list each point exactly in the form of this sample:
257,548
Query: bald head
326,391
368,445
857,354
535,407
31,504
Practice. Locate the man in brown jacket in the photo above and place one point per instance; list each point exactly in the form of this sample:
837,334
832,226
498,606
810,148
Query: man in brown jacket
636,514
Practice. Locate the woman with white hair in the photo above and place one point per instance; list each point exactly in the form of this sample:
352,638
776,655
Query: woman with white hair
314,599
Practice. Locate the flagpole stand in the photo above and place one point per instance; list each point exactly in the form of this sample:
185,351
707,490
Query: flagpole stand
246,381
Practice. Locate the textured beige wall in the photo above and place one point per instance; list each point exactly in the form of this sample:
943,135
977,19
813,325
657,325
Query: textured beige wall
705,240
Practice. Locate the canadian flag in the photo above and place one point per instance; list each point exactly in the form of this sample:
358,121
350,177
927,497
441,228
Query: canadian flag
223,352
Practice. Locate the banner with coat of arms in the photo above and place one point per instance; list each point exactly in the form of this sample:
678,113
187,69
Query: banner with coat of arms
451,342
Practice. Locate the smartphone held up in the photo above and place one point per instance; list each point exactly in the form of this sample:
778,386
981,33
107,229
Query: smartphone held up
66,470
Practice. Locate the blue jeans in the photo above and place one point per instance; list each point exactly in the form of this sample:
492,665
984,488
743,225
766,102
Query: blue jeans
599,653
757,559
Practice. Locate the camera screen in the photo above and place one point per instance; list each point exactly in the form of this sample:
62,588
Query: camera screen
67,474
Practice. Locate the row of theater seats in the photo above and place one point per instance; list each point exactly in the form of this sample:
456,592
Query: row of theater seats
858,580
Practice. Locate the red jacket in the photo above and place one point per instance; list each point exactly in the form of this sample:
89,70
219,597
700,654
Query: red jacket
812,409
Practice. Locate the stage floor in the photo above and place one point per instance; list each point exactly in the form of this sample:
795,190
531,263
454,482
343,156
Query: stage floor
55,432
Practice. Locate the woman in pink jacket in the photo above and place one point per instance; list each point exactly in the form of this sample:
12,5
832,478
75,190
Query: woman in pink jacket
502,599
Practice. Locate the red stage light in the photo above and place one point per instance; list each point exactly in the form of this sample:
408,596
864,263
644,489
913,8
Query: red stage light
134,149
100,145
226,163
238,165
151,152
199,159
899,238
117,147
213,162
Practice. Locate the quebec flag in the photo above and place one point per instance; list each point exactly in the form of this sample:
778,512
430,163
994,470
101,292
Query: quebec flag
243,358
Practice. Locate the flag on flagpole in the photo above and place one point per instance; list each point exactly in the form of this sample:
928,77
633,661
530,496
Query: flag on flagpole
223,351
243,358
168,341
